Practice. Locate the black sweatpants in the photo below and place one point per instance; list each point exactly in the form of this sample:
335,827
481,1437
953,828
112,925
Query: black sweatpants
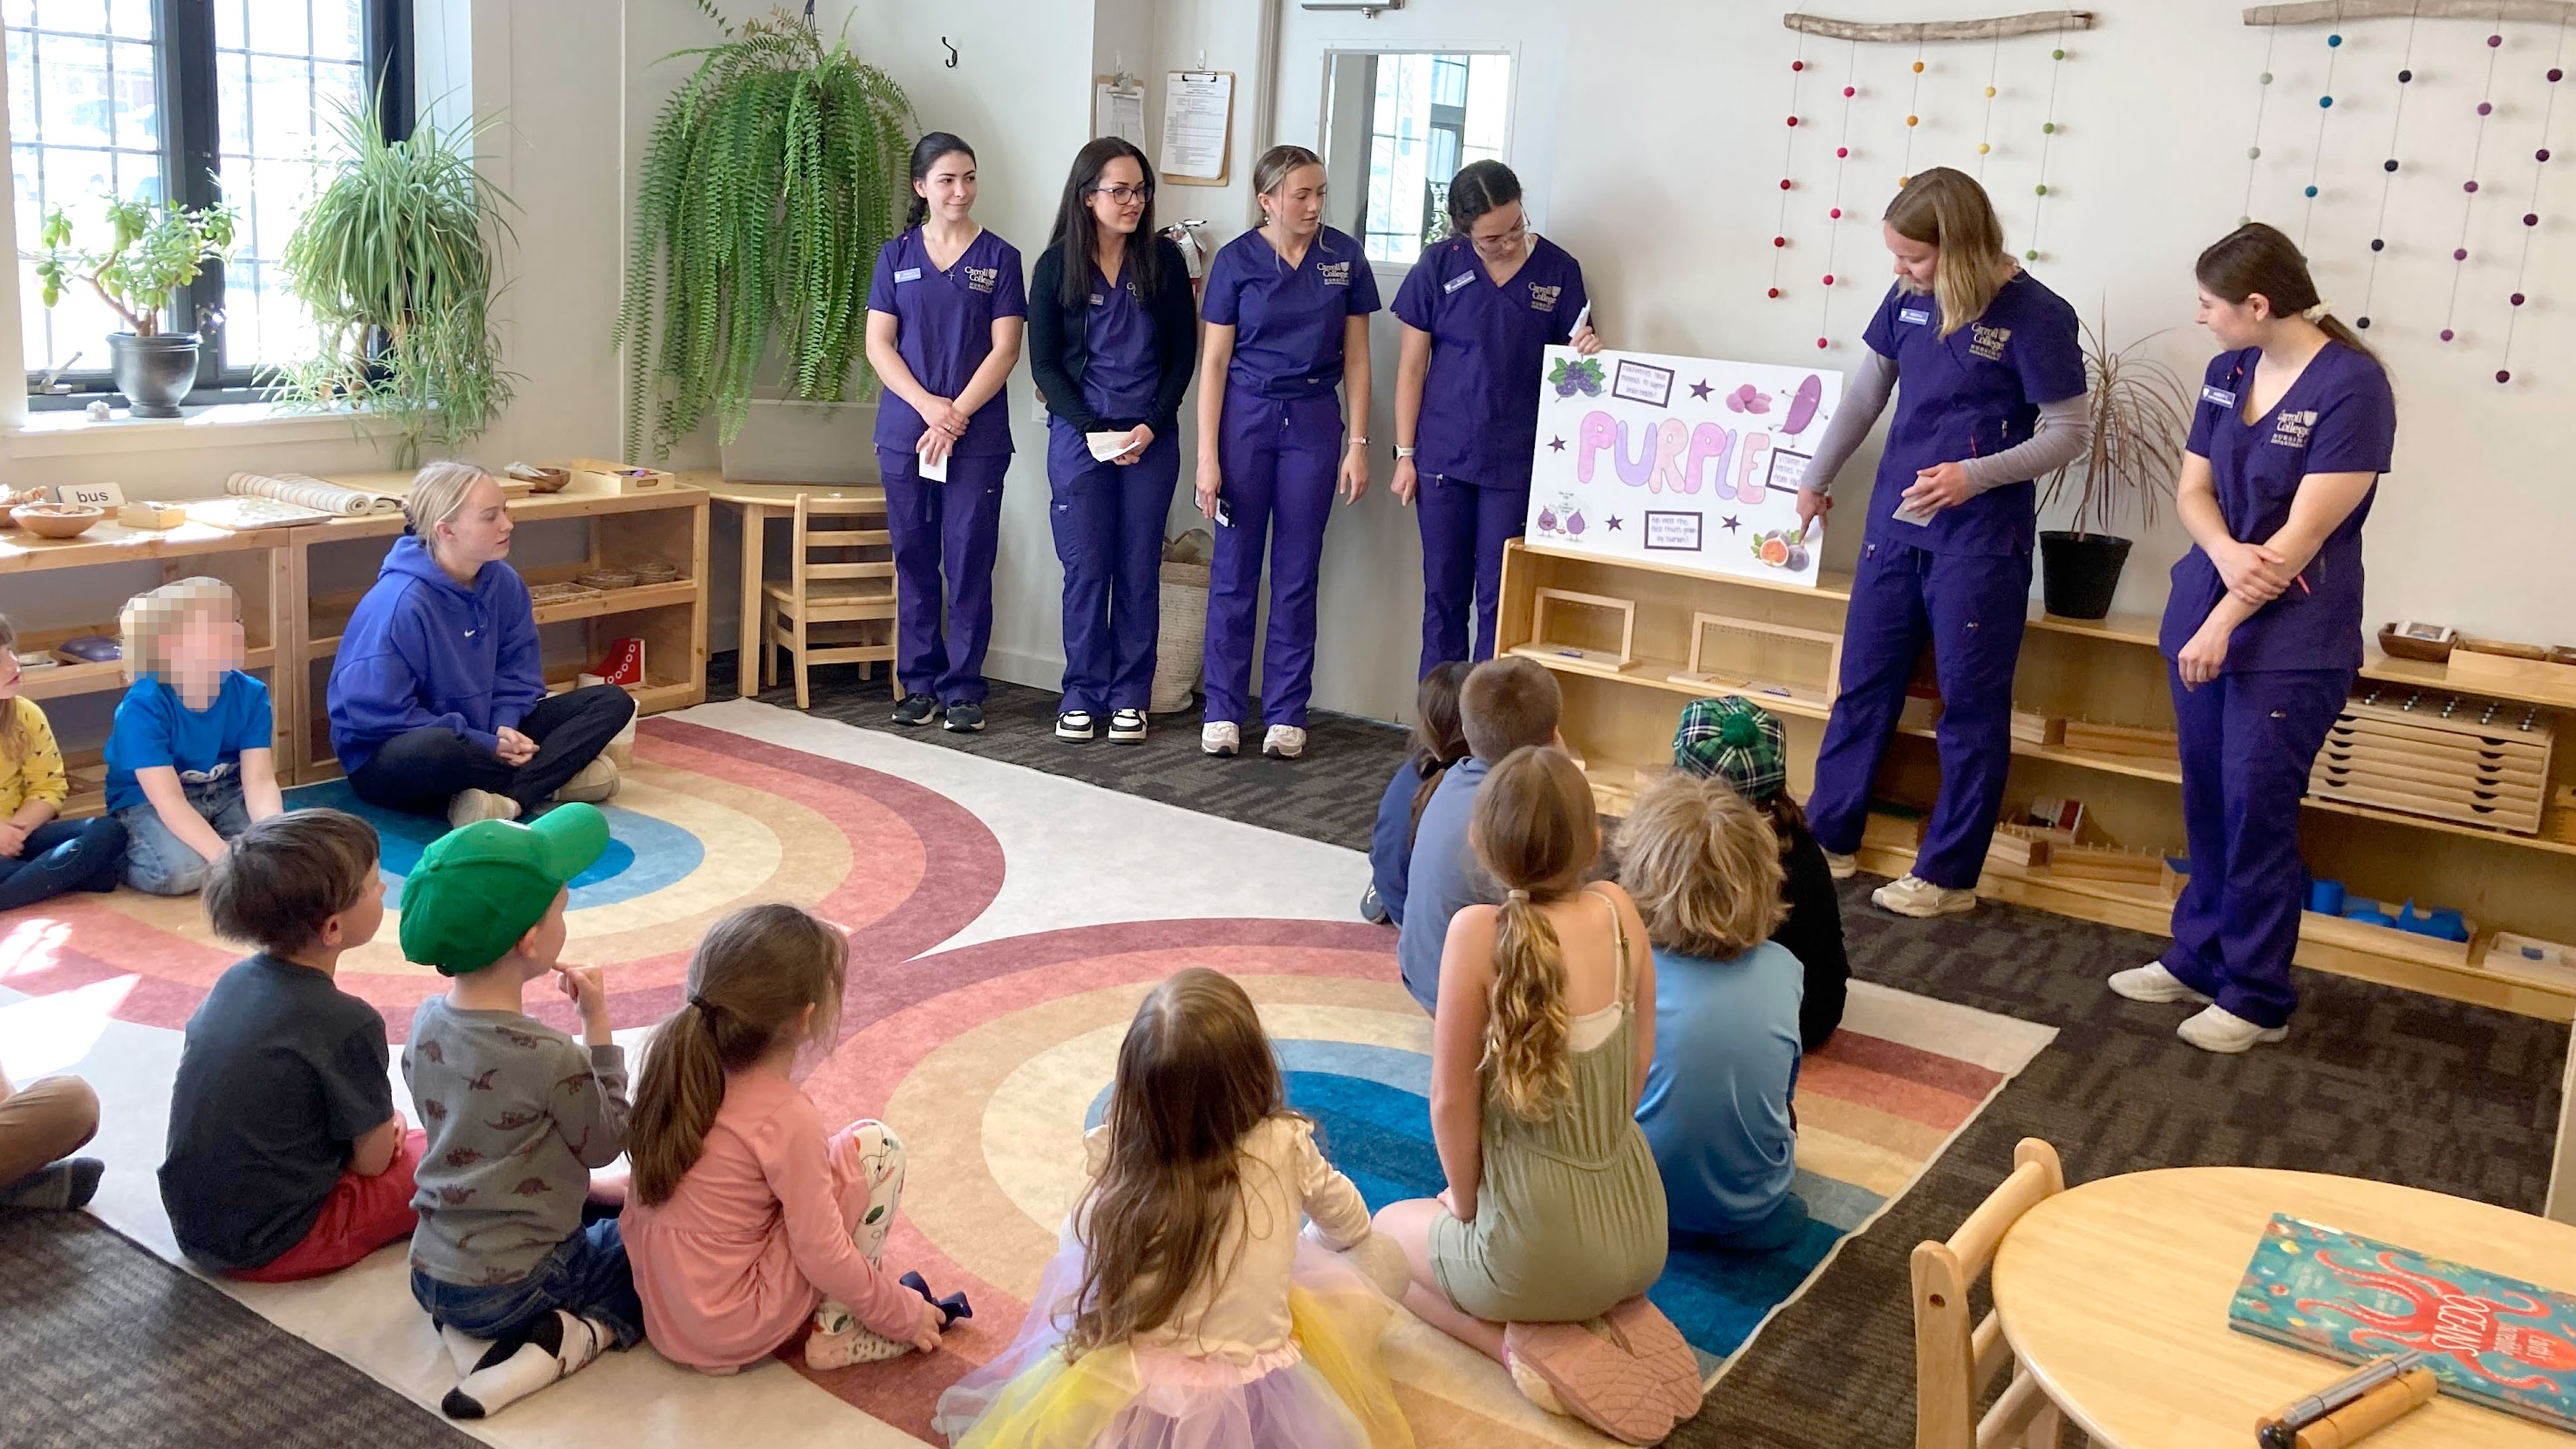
418,773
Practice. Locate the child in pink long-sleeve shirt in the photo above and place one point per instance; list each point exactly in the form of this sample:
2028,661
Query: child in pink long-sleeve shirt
747,1217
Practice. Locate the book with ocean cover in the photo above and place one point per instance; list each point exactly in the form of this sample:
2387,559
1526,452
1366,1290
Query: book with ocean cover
2490,1339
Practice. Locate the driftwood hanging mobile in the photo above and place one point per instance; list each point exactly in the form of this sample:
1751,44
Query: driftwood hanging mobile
1922,32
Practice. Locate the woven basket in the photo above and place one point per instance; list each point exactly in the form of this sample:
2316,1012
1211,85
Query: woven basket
1183,636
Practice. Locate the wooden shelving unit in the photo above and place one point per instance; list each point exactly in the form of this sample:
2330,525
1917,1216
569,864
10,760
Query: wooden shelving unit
293,635
1620,722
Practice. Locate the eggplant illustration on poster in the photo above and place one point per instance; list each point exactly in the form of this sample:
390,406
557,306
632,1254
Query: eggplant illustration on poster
1686,461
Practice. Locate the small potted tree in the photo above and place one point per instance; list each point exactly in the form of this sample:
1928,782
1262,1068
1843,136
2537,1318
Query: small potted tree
2141,420
153,250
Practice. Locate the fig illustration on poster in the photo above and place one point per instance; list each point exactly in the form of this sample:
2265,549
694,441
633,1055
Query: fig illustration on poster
1686,461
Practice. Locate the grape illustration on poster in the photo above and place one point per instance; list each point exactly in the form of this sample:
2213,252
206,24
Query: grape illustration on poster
1686,461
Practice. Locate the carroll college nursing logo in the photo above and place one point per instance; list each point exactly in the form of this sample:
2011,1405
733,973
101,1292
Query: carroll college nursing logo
1988,342
1543,299
1333,274
2290,430
981,279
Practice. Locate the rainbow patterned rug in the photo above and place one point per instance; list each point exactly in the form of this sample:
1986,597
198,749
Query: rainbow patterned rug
994,968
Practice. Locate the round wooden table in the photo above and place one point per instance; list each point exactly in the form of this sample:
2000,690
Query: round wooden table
2114,1294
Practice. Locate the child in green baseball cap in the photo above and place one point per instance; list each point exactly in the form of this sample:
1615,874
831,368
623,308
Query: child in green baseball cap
517,1114
1733,739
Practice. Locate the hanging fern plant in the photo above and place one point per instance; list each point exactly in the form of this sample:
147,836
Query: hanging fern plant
394,260
769,183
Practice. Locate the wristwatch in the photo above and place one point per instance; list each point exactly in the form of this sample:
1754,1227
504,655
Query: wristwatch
1402,451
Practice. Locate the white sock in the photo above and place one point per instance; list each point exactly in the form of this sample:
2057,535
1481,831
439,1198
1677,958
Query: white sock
553,1348
463,1349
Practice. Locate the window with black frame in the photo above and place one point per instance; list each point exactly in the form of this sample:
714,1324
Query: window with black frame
191,101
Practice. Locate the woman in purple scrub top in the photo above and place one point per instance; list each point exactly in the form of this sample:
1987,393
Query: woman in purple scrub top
1993,396
1479,310
1112,340
2294,427
1287,307
945,309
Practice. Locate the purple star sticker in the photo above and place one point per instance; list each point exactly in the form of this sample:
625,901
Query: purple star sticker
1556,445
1733,523
1614,523
1699,389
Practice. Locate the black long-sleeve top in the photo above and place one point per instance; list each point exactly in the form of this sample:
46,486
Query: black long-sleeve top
1058,353
1813,932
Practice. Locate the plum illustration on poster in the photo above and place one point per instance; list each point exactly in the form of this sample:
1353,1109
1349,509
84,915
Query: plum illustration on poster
1685,461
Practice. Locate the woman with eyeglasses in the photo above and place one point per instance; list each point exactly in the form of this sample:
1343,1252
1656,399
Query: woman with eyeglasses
1479,311
945,312
1287,322
1111,343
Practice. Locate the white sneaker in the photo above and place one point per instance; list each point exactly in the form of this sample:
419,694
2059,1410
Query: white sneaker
1074,724
1914,896
596,784
1841,867
2216,1029
2152,982
1127,727
1284,742
1221,740
472,805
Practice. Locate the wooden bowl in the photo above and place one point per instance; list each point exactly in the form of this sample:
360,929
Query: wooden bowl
544,480
2397,644
56,520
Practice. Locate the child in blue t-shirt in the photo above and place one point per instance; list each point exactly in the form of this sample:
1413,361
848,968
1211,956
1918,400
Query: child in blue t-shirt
190,763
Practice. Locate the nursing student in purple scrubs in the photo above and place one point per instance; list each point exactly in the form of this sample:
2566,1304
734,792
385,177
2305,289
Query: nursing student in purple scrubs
1112,340
1479,310
1287,320
1988,377
2294,427
945,310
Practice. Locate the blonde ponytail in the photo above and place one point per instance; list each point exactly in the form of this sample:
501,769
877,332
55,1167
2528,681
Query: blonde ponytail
1535,831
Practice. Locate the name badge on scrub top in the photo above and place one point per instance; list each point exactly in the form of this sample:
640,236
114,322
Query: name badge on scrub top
2218,395
1916,315
908,274
1460,280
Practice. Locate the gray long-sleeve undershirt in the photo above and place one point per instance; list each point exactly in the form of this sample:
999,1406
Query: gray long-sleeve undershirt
2065,431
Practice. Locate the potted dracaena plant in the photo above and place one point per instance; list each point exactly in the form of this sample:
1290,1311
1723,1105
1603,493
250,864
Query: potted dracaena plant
2141,419
395,261
152,250
769,182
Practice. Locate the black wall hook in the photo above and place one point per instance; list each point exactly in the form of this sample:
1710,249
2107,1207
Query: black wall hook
952,52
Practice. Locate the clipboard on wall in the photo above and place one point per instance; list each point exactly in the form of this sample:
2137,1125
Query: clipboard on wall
1198,127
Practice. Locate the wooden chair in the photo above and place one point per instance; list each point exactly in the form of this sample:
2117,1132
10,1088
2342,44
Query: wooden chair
837,604
1953,1363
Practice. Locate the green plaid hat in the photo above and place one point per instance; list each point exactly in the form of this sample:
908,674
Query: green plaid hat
1737,741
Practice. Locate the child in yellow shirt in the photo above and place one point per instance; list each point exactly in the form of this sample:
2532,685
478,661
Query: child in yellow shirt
42,857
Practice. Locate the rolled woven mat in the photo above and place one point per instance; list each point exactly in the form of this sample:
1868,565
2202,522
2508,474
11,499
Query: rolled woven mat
311,492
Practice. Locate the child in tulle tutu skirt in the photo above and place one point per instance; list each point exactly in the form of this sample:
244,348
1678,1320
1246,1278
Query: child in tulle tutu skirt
1184,1309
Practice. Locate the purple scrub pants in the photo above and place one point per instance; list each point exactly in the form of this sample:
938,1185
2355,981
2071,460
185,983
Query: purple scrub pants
2247,743
1464,528
1971,606
1279,459
1108,520
943,531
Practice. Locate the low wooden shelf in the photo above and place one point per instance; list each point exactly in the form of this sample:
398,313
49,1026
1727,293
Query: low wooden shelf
1621,722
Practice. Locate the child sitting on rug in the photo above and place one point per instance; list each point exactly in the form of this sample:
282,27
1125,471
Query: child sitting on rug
42,857
1704,869
1504,705
518,1115
1182,1307
1438,742
746,1214
191,760
1737,741
286,1157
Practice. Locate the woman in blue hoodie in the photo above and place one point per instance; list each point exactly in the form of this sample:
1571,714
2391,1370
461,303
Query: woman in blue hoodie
438,696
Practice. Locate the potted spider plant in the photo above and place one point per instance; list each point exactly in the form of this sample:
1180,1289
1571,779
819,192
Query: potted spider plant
153,250
768,183
2141,419
395,261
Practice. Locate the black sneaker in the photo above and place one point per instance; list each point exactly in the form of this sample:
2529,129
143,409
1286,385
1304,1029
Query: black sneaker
915,709
1127,727
965,717
1074,724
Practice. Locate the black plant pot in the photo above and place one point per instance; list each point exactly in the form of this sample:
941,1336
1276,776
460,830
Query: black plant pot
153,372
2079,572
